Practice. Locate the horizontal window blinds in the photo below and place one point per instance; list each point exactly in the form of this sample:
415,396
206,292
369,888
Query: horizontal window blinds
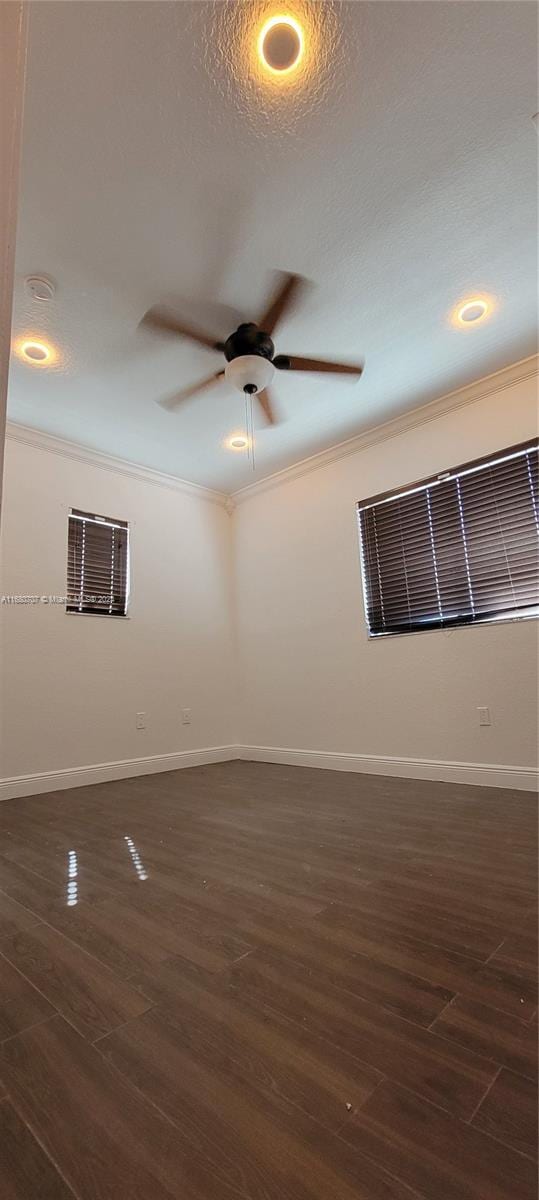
97,565
454,550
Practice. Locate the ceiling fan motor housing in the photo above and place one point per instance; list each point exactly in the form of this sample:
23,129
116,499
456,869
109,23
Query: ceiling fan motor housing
248,339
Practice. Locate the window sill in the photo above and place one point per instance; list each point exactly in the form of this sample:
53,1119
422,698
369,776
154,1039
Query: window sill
100,616
457,628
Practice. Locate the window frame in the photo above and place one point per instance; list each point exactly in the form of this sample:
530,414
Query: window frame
100,519
485,460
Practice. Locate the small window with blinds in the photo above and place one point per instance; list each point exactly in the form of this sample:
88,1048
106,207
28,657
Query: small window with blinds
97,565
459,549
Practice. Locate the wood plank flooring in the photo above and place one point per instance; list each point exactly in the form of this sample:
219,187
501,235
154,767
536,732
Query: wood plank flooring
255,982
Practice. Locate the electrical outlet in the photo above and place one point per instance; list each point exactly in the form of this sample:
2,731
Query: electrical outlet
140,719
484,716
186,716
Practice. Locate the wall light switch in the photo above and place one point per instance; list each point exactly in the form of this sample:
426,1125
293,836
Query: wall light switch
186,716
141,720
484,716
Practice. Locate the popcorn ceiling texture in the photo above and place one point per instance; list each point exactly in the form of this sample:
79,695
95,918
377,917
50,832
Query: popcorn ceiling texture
229,34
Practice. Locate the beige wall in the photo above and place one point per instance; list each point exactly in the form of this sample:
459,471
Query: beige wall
311,680
13,38
73,684
266,604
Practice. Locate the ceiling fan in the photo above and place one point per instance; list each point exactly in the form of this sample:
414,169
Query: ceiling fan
251,361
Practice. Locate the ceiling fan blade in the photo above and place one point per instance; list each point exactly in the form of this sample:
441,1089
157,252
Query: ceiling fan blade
283,298
291,362
264,400
172,402
165,321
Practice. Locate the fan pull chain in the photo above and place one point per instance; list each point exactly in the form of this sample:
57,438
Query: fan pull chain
247,424
249,428
252,432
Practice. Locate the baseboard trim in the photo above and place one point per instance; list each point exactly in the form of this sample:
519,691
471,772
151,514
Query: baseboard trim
480,774
52,781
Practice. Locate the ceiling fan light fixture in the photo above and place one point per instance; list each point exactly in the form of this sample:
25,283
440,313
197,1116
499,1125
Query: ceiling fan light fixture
249,373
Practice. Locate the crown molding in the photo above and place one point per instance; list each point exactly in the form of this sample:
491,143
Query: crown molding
106,462
527,368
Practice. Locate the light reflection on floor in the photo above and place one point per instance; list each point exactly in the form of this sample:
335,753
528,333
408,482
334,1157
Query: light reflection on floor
136,859
72,887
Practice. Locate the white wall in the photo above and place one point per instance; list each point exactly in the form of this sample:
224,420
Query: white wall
309,677
72,684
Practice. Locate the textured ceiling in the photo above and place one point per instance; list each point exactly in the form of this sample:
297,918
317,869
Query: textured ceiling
398,176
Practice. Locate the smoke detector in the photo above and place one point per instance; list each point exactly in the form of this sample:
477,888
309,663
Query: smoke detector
39,287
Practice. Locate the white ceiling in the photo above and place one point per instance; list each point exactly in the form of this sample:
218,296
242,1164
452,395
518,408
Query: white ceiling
400,182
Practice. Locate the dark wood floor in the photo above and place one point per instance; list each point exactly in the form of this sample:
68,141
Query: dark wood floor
251,982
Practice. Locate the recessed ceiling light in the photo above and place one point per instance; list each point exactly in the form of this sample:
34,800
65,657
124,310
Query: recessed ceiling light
473,310
238,442
281,44
37,353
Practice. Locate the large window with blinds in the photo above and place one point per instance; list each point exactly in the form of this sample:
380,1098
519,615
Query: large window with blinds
97,565
459,549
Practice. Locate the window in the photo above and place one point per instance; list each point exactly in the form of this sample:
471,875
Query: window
97,565
459,549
